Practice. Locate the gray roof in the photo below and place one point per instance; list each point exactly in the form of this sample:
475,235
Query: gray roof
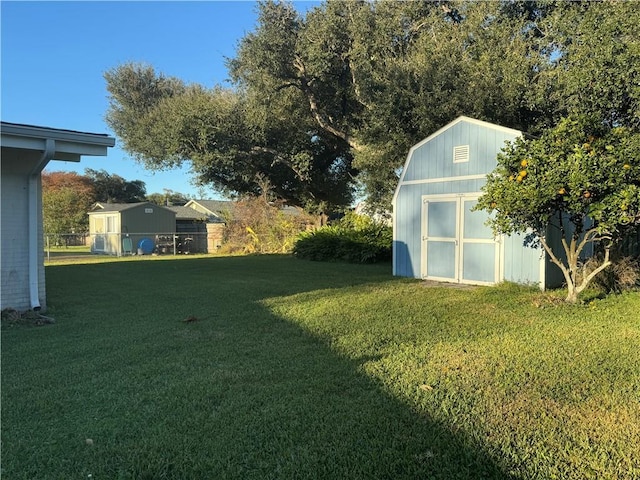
120,207
193,210
186,213
114,207
290,210
214,206
222,206
214,209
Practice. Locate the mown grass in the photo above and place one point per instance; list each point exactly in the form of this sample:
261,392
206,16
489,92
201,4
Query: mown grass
55,253
297,369
74,257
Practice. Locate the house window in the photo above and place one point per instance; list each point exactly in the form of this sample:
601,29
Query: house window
111,223
98,224
461,154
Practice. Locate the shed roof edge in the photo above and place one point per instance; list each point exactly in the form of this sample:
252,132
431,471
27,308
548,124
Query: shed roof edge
461,118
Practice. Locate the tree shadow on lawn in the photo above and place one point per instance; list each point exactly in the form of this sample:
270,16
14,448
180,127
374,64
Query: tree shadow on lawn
239,393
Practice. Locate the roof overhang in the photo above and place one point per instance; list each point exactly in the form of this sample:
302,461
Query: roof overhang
70,145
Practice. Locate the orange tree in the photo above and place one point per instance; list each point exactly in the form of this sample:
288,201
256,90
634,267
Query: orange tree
581,177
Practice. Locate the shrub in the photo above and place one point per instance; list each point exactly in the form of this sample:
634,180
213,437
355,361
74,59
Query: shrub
354,239
258,226
623,274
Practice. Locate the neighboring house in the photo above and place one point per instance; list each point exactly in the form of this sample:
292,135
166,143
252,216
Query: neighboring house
291,211
216,211
128,228
202,223
26,151
143,228
436,235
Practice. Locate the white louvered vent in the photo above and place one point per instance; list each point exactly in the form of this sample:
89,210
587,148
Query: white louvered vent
461,154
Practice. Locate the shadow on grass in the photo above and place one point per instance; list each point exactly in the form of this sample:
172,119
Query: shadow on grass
121,387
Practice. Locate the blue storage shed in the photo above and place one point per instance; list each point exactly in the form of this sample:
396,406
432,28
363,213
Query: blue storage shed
436,235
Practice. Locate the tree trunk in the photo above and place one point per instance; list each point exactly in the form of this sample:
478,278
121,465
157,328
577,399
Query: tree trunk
572,294
571,270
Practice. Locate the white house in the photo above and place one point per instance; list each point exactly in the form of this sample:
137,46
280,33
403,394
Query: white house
26,151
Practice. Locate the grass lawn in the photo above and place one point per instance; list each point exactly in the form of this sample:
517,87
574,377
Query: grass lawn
296,369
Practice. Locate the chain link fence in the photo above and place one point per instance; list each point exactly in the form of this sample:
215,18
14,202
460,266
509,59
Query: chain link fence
122,244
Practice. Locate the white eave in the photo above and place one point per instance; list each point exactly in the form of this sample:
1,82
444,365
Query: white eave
70,145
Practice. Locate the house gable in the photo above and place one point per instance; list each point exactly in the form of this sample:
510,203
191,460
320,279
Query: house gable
215,210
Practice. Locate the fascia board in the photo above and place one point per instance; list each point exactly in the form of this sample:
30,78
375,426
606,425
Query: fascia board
32,137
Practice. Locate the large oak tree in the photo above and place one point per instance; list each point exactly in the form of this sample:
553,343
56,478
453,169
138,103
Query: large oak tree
331,100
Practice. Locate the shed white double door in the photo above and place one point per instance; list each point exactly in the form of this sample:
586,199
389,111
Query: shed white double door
457,246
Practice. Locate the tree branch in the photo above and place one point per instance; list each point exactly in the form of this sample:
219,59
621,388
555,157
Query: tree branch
287,85
357,90
556,261
591,236
277,158
605,263
305,86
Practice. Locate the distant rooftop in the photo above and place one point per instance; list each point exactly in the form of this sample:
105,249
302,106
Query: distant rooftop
215,206
120,207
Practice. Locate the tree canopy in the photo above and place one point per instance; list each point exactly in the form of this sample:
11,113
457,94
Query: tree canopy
66,199
112,188
168,197
323,103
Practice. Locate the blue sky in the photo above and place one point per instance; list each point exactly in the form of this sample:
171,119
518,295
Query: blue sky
54,55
